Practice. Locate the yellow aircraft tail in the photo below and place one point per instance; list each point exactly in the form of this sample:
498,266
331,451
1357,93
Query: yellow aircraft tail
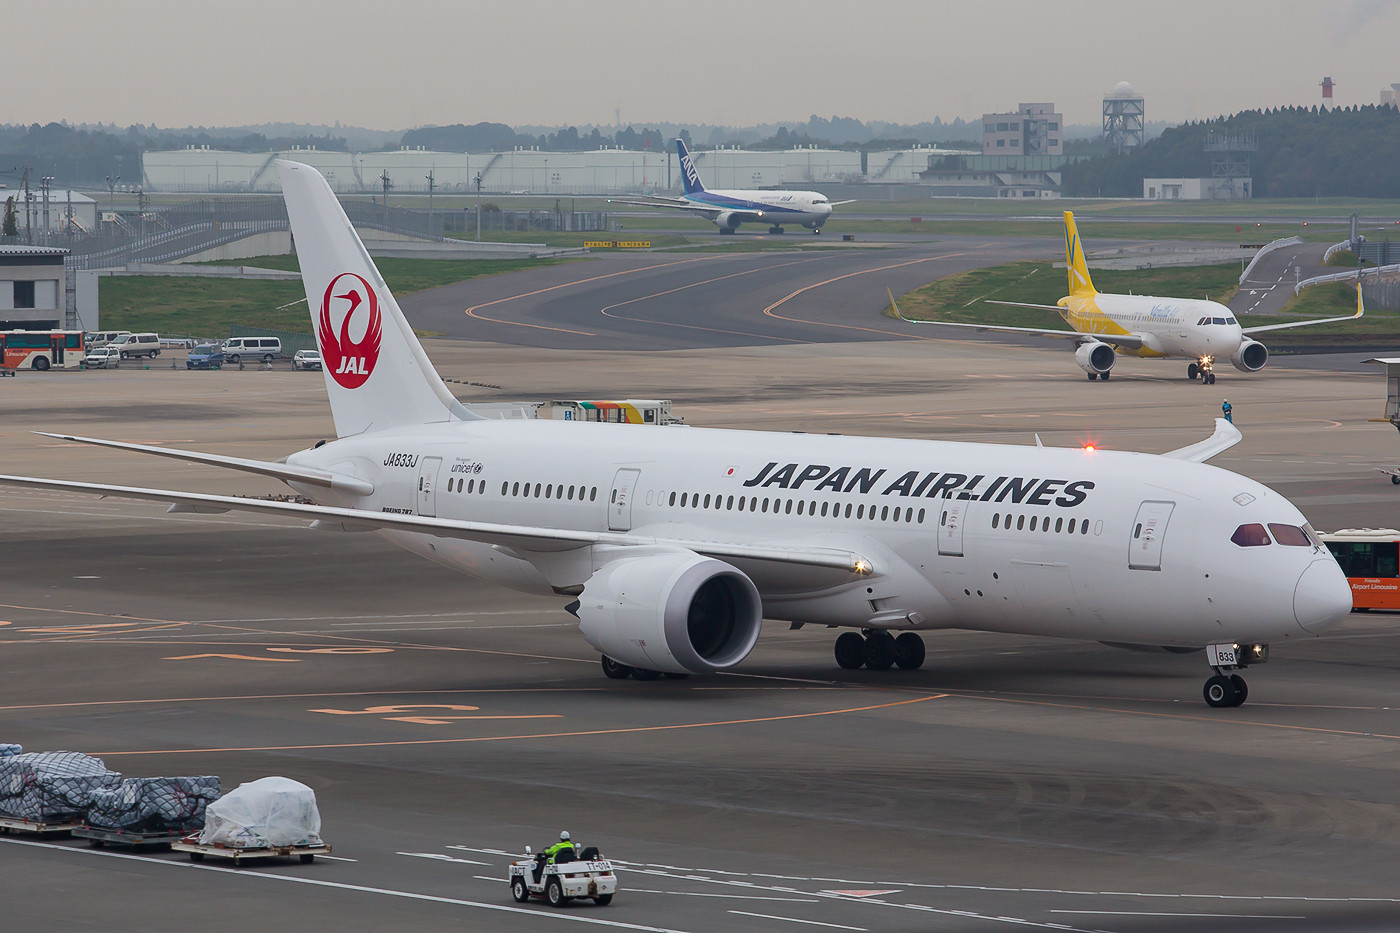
1079,281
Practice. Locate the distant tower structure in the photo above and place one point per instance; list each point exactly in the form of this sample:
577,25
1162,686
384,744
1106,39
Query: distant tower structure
1123,119
1327,85
1230,178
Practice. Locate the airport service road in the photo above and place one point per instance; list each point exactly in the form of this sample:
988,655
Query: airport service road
1012,782
1271,281
674,300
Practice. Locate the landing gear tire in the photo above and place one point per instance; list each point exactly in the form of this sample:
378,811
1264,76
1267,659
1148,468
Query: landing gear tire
879,651
1093,377
1241,689
518,891
1104,376
726,231
1192,371
775,229
1208,379
641,673
670,676
850,651
1220,692
909,651
615,670
1395,480
554,893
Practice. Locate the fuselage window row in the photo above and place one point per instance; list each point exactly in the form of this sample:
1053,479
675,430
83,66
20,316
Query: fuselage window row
804,507
1061,526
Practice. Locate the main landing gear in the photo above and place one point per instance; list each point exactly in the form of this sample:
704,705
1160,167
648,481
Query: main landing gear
1204,368
775,229
1226,689
616,670
878,650
1103,375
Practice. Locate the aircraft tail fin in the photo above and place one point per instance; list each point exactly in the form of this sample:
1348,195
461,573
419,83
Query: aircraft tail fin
690,178
377,374
1079,281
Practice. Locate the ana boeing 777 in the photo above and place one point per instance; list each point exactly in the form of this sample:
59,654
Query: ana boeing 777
1139,325
729,208
671,545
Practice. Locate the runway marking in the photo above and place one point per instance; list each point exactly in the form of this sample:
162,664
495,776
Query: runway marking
233,657
629,730
606,309
436,719
1169,913
439,857
342,886
815,923
727,897
471,312
889,333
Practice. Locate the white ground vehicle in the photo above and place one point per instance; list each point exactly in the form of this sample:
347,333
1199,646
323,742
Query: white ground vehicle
102,358
307,359
135,346
267,349
558,882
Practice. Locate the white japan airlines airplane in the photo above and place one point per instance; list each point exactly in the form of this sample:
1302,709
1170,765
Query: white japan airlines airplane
674,543
729,208
1139,325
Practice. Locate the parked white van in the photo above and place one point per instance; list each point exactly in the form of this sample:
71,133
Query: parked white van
266,349
100,338
135,346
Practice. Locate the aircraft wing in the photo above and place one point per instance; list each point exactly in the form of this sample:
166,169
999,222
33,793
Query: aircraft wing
277,470
847,201
1360,310
516,536
1226,436
710,211
1128,341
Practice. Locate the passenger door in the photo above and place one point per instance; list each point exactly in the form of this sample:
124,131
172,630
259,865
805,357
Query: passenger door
952,515
620,500
427,486
1148,532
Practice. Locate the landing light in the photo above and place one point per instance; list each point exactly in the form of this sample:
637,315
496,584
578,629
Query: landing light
862,566
1089,448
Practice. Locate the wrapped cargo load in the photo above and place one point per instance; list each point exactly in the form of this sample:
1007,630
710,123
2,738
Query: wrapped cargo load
154,805
273,811
8,751
48,786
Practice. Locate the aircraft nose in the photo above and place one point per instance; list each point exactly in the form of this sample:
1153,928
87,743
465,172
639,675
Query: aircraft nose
1322,597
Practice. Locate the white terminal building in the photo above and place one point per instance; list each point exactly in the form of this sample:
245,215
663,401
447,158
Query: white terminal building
532,171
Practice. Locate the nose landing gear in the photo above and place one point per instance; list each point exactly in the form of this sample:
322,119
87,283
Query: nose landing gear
878,650
1205,368
1226,689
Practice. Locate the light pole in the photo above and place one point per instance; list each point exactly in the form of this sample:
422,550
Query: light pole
432,183
384,179
112,192
141,202
477,179
44,184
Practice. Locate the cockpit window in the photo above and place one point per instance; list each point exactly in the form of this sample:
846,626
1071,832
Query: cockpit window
1290,535
1217,320
1204,320
1252,535
1230,320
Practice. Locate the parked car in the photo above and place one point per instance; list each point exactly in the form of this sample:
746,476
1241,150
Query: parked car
205,356
267,349
135,346
102,358
307,359
100,338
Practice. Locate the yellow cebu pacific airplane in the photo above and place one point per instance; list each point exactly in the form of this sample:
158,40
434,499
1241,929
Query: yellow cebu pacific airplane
1105,325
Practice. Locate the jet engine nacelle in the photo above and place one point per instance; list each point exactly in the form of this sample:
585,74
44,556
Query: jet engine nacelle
673,611
727,220
1095,357
1250,356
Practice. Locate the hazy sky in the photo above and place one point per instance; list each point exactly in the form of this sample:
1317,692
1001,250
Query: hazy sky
398,65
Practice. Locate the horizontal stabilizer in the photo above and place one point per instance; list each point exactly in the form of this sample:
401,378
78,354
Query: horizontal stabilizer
1226,436
276,470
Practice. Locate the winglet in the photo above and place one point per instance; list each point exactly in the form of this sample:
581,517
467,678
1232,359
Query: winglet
1226,436
1078,268
690,178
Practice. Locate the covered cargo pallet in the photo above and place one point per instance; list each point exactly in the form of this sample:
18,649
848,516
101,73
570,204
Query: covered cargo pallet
271,812
47,787
154,805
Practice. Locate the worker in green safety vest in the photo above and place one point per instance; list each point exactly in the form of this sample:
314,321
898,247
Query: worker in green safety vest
550,855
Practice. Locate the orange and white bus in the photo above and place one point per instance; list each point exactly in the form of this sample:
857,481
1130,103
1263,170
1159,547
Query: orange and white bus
1370,557
42,349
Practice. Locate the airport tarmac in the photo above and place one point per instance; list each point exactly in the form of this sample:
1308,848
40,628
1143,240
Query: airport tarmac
1012,782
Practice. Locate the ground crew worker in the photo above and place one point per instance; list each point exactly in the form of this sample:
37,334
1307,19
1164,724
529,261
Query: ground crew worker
1225,410
553,851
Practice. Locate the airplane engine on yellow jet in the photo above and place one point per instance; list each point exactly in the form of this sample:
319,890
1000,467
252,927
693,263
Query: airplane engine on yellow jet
672,611
1095,357
1250,356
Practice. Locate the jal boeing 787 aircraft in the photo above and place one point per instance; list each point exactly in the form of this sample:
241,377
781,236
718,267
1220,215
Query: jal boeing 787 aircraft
672,544
729,208
1138,325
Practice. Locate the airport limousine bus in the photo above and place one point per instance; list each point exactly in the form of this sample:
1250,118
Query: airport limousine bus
41,349
1370,557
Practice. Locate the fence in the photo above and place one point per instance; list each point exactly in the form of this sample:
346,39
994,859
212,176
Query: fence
291,341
